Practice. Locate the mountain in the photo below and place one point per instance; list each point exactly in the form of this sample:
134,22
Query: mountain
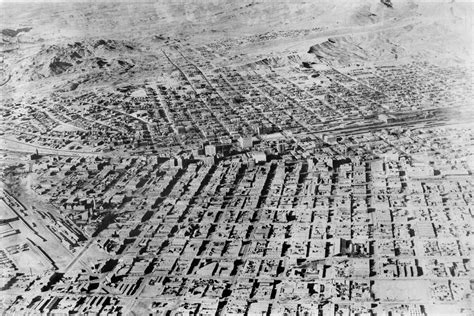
60,43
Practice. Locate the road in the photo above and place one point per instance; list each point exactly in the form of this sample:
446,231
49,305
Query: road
12,145
80,254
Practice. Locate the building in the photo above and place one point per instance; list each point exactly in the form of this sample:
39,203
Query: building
341,247
7,214
386,118
259,156
210,150
330,139
35,156
177,162
281,148
245,142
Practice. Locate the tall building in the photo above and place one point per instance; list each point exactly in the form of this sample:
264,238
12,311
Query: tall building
245,142
259,156
281,148
330,139
210,150
177,162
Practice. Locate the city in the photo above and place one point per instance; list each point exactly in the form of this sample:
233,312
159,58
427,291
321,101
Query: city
213,186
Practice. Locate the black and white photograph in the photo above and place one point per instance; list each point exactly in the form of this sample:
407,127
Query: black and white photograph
236,157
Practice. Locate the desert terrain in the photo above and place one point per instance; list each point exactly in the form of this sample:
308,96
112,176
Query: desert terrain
224,157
